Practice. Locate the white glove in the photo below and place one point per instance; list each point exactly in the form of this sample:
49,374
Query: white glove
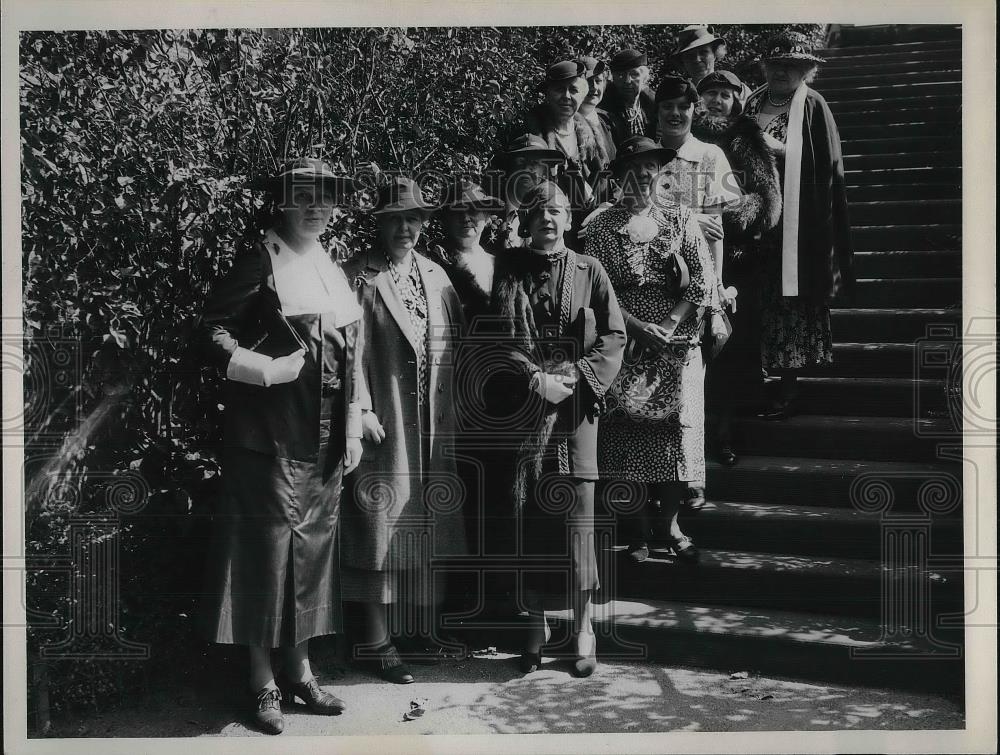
247,366
553,388
371,428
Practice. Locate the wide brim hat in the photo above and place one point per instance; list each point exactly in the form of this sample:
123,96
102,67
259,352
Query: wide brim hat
564,70
789,46
531,145
695,36
464,195
638,148
402,195
304,170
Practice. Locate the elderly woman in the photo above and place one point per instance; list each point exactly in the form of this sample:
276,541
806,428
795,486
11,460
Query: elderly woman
697,53
810,257
285,327
628,99
702,180
599,120
557,120
648,248
405,512
735,375
560,342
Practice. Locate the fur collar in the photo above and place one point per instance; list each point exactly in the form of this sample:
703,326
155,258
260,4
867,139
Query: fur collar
591,149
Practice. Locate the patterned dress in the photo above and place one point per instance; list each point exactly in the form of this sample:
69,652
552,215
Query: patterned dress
411,291
795,332
639,272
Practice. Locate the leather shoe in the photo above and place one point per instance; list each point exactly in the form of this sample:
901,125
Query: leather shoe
315,697
694,499
685,550
777,411
389,666
267,711
638,552
726,456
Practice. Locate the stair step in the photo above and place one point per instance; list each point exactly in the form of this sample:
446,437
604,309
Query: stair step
850,78
833,437
895,325
896,33
871,396
948,158
902,192
932,263
890,92
766,642
858,175
842,586
875,238
799,481
910,50
948,102
900,145
881,116
871,360
878,65
901,129
905,292
903,212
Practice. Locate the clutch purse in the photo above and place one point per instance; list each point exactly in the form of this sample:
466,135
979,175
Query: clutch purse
710,347
269,332
648,386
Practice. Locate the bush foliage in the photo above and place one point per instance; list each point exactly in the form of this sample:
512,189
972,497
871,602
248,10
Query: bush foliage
136,147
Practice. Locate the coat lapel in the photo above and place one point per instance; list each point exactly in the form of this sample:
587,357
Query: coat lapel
431,279
393,301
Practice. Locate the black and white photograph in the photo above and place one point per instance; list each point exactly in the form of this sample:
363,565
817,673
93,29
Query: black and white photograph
419,377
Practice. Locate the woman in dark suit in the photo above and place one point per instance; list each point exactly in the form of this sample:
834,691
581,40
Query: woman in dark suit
561,337
286,328
405,514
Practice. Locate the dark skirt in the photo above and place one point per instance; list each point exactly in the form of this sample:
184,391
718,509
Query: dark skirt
273,570
558,548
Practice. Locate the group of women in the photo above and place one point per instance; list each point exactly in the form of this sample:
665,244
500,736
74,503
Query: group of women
378,408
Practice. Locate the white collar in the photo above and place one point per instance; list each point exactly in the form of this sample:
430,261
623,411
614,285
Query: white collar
274,238
692,150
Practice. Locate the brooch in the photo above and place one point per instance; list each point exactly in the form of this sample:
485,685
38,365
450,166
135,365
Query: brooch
642,229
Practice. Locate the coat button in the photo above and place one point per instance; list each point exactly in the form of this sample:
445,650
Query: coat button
440,389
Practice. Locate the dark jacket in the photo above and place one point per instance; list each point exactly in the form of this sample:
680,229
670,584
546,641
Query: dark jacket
588,336
280,420
759,208
613,105
825,259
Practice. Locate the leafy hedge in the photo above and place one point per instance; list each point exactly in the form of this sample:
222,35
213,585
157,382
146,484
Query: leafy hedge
135,148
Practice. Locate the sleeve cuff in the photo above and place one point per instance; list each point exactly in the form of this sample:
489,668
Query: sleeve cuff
247,366
587,370
354,420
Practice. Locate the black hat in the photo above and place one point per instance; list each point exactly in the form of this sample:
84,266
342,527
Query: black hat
726,79
694,36
531,145
626,59
673,86
536,197
464,194
594,66
637,147
564,70
399,196
304,170
790,46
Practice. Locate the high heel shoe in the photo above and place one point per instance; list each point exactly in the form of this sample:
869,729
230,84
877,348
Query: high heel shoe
318,700
586,664
267,711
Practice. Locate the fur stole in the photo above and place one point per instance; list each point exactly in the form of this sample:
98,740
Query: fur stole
593,155
742,140
515,269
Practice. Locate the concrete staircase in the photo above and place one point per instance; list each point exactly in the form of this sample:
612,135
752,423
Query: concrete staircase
830,552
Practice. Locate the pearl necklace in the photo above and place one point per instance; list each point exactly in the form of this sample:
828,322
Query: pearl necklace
778,104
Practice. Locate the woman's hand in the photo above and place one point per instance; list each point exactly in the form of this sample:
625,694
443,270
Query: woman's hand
775,145
371,428
285,369
719,331
711,226
727,295
553,388
652,337
352,455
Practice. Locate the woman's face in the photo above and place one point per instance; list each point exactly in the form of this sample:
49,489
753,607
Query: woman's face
464,226
565,97
548,223
523,173
306,210
718,100
784,77
642,175
597,85
675,117
699,62
400,230
631,81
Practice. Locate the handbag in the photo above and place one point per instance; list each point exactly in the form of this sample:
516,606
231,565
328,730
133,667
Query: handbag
647,389
710,347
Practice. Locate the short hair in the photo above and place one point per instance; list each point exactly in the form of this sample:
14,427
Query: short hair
808,68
